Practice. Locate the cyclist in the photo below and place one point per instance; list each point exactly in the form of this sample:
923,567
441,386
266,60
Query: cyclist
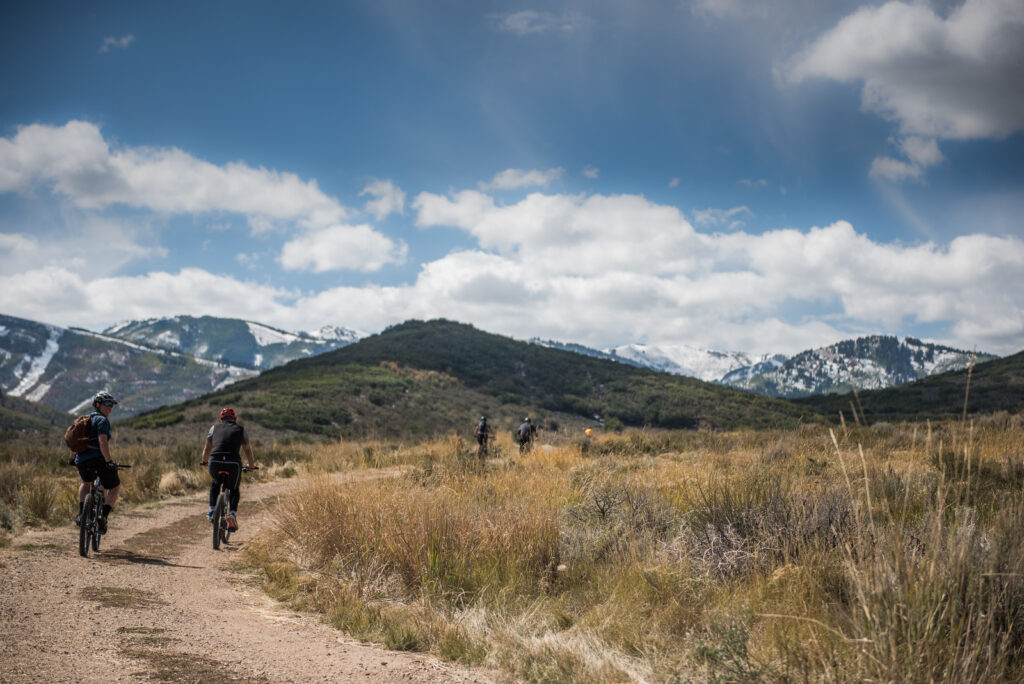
526,434
223,443
482,433
96,459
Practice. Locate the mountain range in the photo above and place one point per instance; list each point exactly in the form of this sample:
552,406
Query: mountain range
163,361
145,364
865,363
426,378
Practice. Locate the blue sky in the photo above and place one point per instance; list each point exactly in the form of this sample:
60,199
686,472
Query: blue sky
712,172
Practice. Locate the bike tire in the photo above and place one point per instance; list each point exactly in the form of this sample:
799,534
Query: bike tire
218,520
83,529
225,531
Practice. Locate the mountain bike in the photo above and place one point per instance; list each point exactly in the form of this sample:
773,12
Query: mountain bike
221,533
481,450
89,529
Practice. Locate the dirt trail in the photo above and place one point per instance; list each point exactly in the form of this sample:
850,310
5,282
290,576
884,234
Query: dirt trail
162,605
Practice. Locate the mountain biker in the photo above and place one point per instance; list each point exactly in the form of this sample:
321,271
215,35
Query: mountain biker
223,443
96,460
526,434
482,432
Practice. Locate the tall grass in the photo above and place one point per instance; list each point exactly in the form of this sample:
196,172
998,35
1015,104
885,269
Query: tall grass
889,553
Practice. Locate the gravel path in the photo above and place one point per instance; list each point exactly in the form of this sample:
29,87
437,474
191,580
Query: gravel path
159,604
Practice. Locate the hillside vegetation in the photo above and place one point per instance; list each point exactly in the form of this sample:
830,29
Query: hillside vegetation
994,386
424,378
18,414
887,554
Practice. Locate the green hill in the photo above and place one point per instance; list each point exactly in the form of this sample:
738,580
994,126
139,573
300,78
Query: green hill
995,386
19,414
422,378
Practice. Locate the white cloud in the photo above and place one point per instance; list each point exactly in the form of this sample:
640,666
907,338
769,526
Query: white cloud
591,172
887,168
752,183
921,153
673,183
388,198
87,243
78,163
600,270
952,77
531,21
120,43
512,179
338,247
722,217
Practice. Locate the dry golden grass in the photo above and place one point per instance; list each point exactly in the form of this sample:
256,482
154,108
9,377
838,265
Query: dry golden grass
890,553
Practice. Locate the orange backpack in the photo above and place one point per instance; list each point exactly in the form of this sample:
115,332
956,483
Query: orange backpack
77,435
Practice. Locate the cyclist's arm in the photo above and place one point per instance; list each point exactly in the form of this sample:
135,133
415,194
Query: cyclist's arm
248,455
206,452
105,447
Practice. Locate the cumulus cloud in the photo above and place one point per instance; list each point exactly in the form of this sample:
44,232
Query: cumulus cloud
359,248
388,198
602,270
79,164
673,183
111,42
722,217
87,243
920,152
952,77
591,172
531,21
513,179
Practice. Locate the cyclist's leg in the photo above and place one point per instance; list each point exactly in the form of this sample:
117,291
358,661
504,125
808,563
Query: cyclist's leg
236,487
214,483
86,472
112,483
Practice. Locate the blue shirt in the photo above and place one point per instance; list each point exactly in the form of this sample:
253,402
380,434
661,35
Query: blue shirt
98,425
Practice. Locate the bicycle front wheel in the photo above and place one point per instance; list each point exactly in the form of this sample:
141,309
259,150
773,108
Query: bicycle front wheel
83,528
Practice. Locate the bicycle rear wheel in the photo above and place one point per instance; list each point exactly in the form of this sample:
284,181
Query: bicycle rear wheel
225,530
218,521
83,529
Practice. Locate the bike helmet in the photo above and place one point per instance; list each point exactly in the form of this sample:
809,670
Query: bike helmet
483,418
527,420
103,398
228,414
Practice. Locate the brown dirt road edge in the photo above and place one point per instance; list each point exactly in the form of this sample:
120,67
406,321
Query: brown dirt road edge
157,603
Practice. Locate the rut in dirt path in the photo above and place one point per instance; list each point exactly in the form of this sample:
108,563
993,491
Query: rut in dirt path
156,603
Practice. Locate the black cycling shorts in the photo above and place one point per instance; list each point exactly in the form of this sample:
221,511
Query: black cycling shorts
97,466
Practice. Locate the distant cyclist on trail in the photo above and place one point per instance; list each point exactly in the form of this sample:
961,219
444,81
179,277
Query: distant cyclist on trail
96,459
223,443
525,435
483,434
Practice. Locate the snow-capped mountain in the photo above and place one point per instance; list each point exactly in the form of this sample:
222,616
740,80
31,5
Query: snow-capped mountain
865,363
232,340
64,367
682,359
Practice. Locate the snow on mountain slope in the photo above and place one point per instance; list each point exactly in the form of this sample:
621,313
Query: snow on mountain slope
265,335
233,340
682,359
64,367
34,367
871,362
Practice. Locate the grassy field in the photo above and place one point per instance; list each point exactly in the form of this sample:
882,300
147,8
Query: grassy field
890,553
37,488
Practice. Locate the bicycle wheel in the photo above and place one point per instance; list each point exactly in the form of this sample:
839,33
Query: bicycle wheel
218,521
83,529
225,530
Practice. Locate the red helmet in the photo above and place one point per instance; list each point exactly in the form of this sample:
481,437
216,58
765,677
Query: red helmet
228,414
